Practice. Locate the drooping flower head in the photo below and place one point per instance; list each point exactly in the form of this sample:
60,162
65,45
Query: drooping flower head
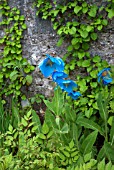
67,85
74,94
51,64
104,75
58,76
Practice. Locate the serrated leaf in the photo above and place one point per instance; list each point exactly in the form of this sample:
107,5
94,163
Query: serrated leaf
89,142
89,124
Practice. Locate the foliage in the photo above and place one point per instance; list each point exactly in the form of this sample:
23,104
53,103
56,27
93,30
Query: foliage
14,68
78,23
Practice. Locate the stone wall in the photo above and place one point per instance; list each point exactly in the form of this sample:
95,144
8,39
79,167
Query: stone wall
39,39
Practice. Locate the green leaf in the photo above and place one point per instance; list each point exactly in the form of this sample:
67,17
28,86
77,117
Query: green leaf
14,75
111,13
64,129
70,48
96,59
24,122
94,73
93,11
36,120
50,119
24,26
75,41
89,124
87,157
77,9
108,166
59,43
102,107
45,128
93,36
109,151
71,144
41,136
86,63
29,79
105,22
81,55
72,30
101,154
101,165
89,28
16,17
10,128
89,142
83,33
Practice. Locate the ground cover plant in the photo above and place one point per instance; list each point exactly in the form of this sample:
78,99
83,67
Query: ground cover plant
77,131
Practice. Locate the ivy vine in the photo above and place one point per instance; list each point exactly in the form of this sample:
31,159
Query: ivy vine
78,22
14,69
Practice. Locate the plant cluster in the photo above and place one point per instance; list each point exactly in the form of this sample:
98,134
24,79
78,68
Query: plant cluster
66,140
79,22
14,69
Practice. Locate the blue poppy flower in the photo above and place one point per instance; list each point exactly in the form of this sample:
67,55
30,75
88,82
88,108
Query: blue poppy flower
58,76
51,64
74,94
67,85
104,76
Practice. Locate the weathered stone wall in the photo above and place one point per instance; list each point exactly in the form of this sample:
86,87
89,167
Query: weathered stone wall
39,39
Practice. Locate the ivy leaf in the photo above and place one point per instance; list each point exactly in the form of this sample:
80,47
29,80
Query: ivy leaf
93,11
72,30
111,13
83,33
93,36
86,63
77,9
24,26
59,43
29,79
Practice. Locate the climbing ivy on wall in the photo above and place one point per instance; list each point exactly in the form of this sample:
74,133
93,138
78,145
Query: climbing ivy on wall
14,69
78,22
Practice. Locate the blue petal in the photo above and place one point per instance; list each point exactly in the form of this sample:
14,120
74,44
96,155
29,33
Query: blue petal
67,85
58,76
105,69
106,80
74,95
